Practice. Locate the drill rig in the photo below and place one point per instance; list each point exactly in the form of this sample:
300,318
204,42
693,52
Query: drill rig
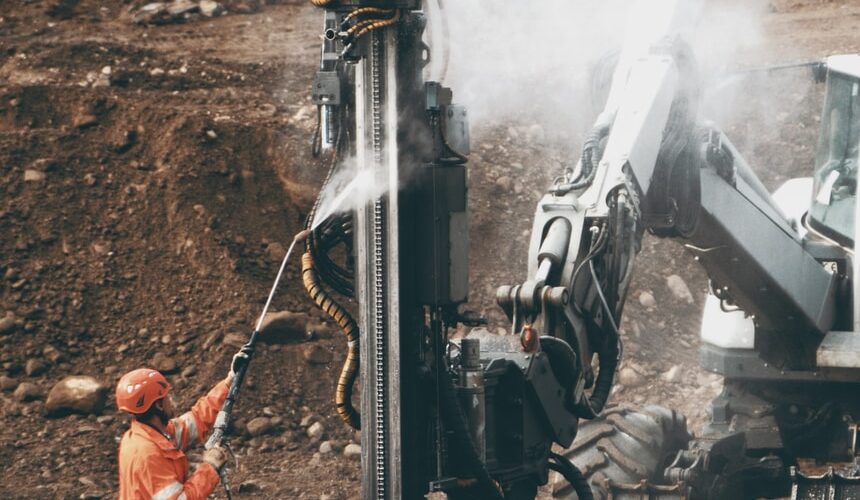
478,418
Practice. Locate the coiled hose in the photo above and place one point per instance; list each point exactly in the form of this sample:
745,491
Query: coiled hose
349,372
321,3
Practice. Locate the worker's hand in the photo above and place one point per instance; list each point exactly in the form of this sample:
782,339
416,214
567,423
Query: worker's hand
215,456
240,359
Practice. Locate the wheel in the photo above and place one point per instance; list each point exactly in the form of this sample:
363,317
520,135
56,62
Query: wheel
624,446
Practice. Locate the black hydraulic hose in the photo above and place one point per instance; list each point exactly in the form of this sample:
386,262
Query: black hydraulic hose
318,243
609,353
323,239
316,139
615,276
455,419
588,160
572,474
607,358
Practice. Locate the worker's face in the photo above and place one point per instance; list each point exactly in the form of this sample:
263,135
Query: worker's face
168,407
165,404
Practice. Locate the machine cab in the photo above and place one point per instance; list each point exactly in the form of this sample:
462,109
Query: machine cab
836,160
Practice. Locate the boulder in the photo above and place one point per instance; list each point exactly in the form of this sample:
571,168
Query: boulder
53,354
679,288
77,394
27,391
164,12
673,375
505,183
35,367
259,426
283,327
8,323
352,450
628,377
309,419
647,300
8,383
31,175
149,13
316,431
179,8
164,364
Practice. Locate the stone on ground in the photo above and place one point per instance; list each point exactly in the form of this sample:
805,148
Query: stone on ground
316,430
647,300
352,450
8,323
284,327
679,288
27,391
673,375
628,377
8,383
164,364
209,8
35,367
77,394
259,426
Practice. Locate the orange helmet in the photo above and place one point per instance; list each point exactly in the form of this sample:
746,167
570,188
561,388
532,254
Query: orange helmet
138,389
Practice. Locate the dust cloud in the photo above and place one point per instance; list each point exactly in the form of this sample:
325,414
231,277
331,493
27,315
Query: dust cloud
532,61
511,61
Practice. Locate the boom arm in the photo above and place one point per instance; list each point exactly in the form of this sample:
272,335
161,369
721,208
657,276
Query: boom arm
648,164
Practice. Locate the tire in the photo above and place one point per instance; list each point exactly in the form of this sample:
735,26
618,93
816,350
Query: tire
624,446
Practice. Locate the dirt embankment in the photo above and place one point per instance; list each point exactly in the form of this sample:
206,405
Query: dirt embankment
151,176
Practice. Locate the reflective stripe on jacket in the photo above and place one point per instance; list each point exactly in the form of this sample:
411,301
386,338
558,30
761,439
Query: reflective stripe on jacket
154,466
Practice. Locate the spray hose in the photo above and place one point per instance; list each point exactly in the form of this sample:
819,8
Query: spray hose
349,372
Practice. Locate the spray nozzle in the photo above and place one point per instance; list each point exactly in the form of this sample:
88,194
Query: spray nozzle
302,235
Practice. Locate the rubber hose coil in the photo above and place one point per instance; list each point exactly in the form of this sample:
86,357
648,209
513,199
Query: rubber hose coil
349,372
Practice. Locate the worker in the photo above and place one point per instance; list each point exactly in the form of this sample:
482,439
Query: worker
152,461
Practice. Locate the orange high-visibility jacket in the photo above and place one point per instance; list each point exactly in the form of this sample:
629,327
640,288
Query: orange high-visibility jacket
154,466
